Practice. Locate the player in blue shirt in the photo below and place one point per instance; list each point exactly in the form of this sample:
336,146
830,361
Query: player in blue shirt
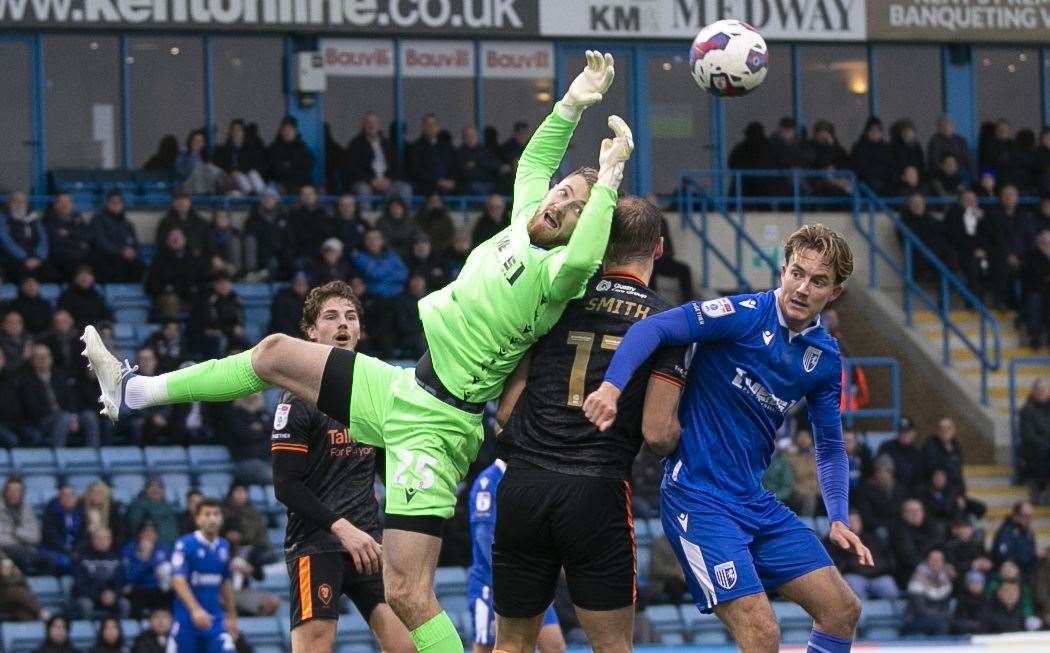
204,618
758,356
482,509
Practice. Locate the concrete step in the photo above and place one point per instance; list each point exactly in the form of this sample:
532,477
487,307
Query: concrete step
999,497
998,513
962,316
1007,334
988,482
962,353
970,471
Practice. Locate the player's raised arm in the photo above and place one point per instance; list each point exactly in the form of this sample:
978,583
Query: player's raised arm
546,147
570,269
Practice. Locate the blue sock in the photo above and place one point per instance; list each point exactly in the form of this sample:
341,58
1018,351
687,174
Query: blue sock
824,643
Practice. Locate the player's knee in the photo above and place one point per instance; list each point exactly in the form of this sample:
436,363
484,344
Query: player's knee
405,598
552,646
266,354
850,613
763,630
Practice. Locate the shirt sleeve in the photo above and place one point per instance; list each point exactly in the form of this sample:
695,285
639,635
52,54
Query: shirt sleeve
569,269
671,364
289,448
829,449
538,162
178,559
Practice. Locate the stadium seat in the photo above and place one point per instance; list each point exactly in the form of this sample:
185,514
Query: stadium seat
642,534
455,604
175,486
705,629
34,460
794,634
50,291
8,291
253,294
275,578
127,486
40,489
261,631
144,331
666,619
275,536
166,459
879,619
672,639
79,482
790,615
48,591
5,462
131,628
209,458
130,315
78,460
82,634
122,459
21,637
450,581
257,315
353,629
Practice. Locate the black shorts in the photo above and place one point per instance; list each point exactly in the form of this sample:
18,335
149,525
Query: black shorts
315,582
546,521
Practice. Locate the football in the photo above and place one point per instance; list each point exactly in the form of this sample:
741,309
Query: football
729,58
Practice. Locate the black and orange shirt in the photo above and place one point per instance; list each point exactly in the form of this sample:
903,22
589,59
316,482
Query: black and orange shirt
320,474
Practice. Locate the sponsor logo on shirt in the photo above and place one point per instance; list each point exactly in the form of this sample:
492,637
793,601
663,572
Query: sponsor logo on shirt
767,337
761,393
198,579
683,521
344,445
718,307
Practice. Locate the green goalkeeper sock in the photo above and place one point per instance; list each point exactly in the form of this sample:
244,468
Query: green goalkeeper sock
437,635
221,379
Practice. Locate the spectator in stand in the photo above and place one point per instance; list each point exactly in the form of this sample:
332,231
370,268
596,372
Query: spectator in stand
785,153
217,320
1010,574
872,159
14,341
929,597
824,152
311,223
666,579
778,477
1003,155
493,219
456,257
52,404
1026,161
16,599
63,339
110,637
930,231
290,161
910,182
1041,219
370,167
879,499
246,430
431,160
35,310
1034,429
943,501
668,266
350,226
182,216
154,638
245,527
423,262
146,570
188,517
1004,612
398,229
1042,162
63,530
946,180
941,450
859,457
163,160
965,550
476,167
904,450
804,497
1015,540
874,582
70,236
947,142
914,535
20,529
56,637
968,617
224,242
1041,587
987,186
268,239
976,244
384,274
149,426
169,345
330,264
83,300
10,411
511,149
435,221
1015,227
287,306
907,153
176,278
151,504
98,578
194,169
117,257
752,153
101,510
242,159
23,239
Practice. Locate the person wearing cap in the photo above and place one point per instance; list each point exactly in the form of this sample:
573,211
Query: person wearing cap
872,158
268,239
117,257
287,306
905,453
290,160
330,265
182,215
152,504
970,604
217,319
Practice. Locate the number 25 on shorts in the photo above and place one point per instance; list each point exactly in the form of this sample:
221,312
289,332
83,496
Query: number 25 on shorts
417,465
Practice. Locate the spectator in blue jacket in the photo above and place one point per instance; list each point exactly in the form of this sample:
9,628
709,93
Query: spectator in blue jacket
381,267
1015,540
23,239
146,571
63,529
98,578
118,245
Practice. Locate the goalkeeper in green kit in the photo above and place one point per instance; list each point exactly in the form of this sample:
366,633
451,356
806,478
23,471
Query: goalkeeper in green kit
511,291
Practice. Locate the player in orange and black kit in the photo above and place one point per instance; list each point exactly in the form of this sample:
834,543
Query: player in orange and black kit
326,479
565,500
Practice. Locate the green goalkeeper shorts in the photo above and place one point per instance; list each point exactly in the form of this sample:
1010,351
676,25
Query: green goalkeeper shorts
429,444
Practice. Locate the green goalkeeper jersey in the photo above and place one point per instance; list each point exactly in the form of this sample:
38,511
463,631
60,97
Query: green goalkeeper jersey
510,292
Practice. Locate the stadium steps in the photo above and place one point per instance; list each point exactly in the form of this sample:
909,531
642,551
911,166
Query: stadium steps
992,484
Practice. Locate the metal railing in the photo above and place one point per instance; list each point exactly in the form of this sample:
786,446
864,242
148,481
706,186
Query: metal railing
891,412
1015,435
858,199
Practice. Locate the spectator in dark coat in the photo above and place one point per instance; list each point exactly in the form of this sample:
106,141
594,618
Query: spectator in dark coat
83,301
493,219
63,530
14,340
117,258
98,578
979,248
176,277
370,166
290,161
225,244
1015,227
752,153
350,226
1041,172
110,638
286,310
243,159
1004,613
879,498
476,167
1034,420
941,451
56,638
16,598
399,230
930,231
1015,540
785,153
511,149
311,223
143,559
330,265
874,582
1003,155
872,159
423,262
904,450
10,411
154,638
163,160
35,310
101,510
269,240
431,160
965,550
929,596
943,501
824,152
217,319
71,237
968,617
182,216
152,504
23,239
247,427
914,535
905,146
946,180
946,142
435,221
169,344
910,182
51,404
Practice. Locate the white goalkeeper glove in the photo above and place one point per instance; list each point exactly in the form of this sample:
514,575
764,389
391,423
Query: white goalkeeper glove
589,86
614,153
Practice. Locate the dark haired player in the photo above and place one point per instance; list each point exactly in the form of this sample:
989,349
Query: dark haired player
326,480
565,500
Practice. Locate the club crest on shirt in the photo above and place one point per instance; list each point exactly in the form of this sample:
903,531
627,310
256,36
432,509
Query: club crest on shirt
718,307
810,359
725,574
324,593
280,416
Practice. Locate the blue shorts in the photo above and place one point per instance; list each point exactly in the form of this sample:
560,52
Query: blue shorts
729,549
484,617
189,639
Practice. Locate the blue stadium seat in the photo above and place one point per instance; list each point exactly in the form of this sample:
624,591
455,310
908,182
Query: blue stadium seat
123,331
275,536
40,489
144,331
257,495
642,534
455,604
34,460
81,481
257,315
261,631
131,628
175,486
275,578
166,459
82,634
672,639
5,462
705,629
121,295
666,619
353,629
450,580
656,527
21,637
78,460
48,591
215,480
8,291
643,558
130,315
791,614
209,458
50,291
122,459
253,294
127,486
794,634
879,619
